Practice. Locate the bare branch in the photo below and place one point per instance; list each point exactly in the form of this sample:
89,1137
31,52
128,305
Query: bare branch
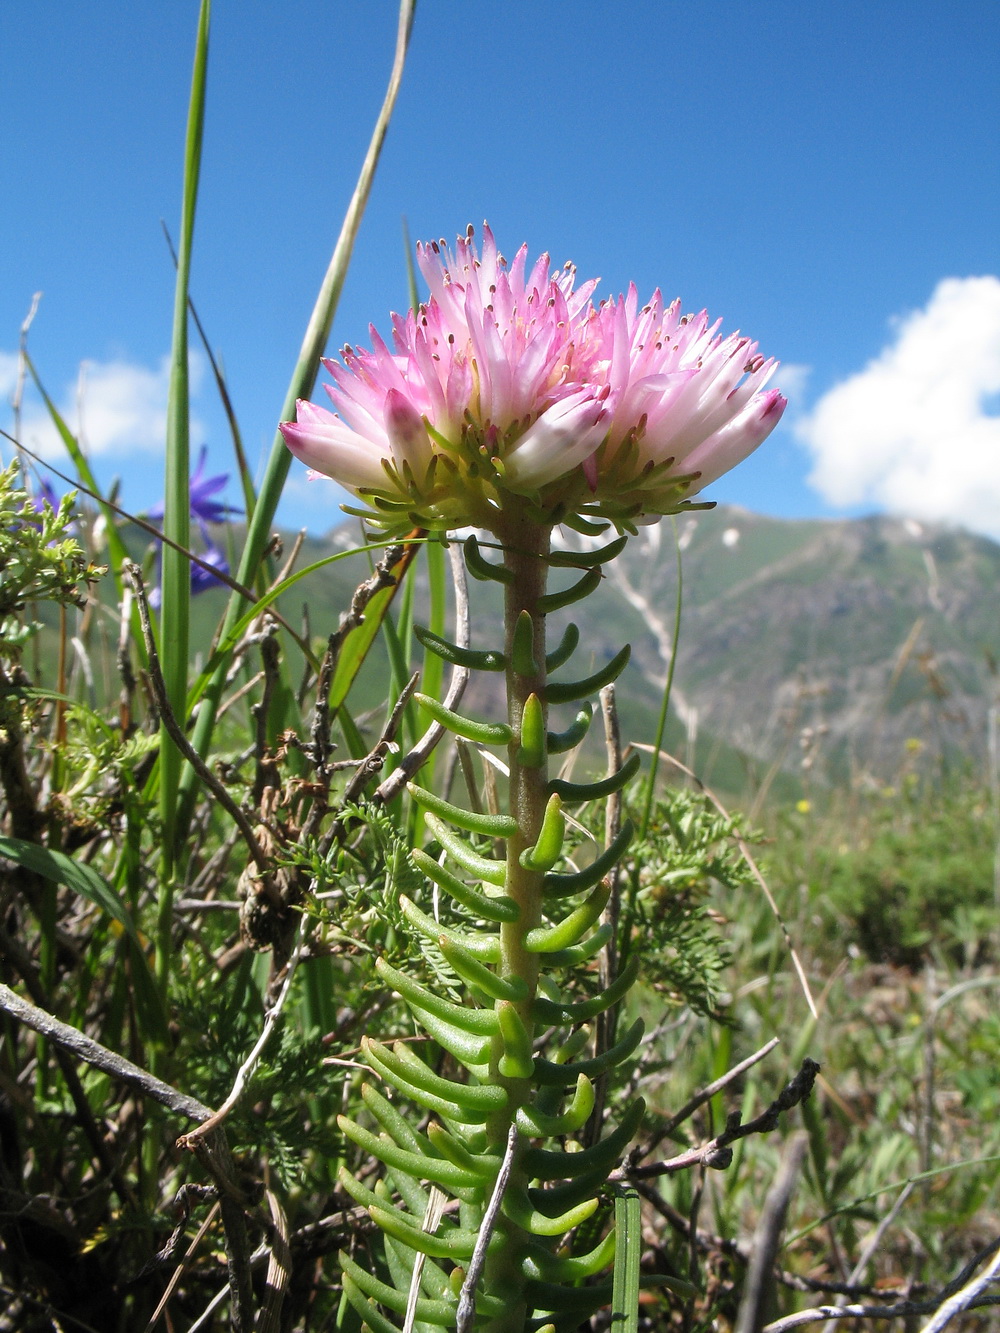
279,1269
245,1071
717,1153
467,1301
607,1022
709,1243
904,1310
318,749
213,1153
182,1267
701,1097
966,1296
93,1053
265,768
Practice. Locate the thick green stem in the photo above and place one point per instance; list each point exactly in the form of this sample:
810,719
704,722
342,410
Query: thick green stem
526,557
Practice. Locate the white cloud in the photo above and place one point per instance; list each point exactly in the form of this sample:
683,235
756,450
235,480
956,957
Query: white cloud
116,408
916,432
792,378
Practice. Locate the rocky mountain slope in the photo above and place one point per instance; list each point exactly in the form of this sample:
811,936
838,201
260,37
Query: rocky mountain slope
851,646
839,643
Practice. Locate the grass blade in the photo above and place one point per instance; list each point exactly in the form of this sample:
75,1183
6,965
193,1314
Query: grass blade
628,1251
176,571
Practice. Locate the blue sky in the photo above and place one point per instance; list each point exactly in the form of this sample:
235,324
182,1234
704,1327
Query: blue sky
812,173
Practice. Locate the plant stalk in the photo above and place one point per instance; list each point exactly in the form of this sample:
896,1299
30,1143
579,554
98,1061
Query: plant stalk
526,549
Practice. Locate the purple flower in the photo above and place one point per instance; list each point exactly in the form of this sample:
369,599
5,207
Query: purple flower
204,510
201,490
203,579
510,380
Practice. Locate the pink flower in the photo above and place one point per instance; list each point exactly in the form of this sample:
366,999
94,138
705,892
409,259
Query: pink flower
510,381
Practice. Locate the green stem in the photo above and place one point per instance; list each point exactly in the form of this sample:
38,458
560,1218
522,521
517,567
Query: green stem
526,548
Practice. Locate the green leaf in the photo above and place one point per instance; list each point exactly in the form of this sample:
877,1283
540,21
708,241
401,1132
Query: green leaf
454,1243
554,1164
419,1165
517,1059
484,947
482,569
500,908
175,571
554,601
564,934
481,733
544,1266
517,1206
552,1011
534,1123
550,1074
561,886
468,967
532,740
480,1022
561,741
441,1313
522,654
475,659
548,847
592,791
564,650
301,386
490,826
484,868
373,1319
559,692
588,559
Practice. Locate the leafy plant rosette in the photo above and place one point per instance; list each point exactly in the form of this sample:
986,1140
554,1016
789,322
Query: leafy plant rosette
511,403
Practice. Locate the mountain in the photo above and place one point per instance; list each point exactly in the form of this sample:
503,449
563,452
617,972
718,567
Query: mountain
809,650
853,645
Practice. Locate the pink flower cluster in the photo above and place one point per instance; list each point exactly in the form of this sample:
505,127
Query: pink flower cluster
511,380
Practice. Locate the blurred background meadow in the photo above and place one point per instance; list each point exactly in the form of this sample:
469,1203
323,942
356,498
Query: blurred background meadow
822,865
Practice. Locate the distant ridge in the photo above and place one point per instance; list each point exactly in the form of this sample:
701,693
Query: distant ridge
871,632
834,642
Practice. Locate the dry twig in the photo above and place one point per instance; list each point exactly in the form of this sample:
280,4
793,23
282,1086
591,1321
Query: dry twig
717,1153
700,1098
246,1069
